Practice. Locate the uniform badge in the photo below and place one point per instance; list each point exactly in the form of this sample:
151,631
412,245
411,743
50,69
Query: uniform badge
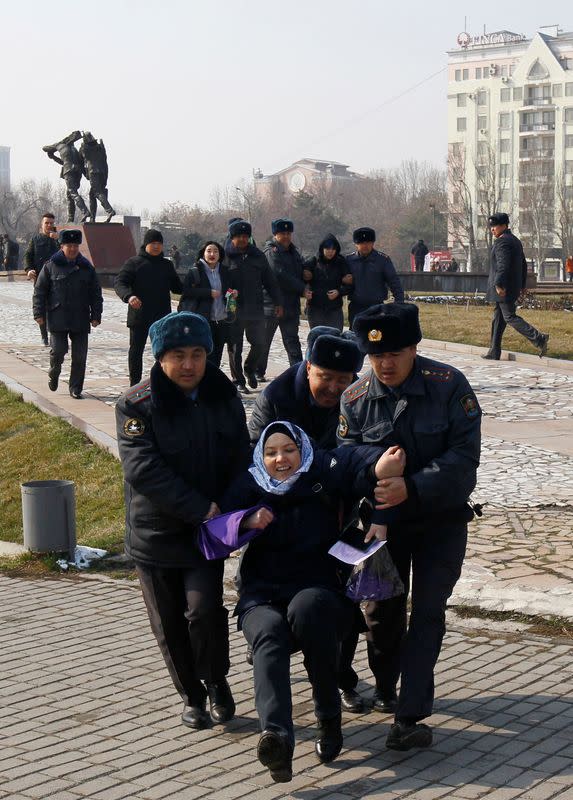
342,426
374,335
470,406
133,427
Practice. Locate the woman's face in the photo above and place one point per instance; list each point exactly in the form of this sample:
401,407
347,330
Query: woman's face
211,254
329,253
281,456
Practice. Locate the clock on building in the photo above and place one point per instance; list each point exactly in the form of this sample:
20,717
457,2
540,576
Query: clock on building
297,182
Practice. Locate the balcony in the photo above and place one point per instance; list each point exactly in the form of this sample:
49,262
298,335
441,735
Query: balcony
537,153
534,102
537,128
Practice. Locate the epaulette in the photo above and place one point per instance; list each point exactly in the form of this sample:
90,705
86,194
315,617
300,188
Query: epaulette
437,374
356,390
138,393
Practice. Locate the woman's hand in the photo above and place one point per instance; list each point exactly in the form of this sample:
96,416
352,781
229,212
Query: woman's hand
391,463
332,294
215,293
348,280
260,519
213,511
376,532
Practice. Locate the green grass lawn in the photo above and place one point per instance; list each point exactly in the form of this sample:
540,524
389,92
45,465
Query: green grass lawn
35,446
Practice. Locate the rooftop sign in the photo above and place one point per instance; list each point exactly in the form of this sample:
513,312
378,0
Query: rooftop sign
499,37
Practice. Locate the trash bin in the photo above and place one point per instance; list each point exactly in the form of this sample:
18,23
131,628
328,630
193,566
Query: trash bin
49,516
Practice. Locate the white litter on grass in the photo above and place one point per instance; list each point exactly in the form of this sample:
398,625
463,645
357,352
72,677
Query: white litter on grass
83,557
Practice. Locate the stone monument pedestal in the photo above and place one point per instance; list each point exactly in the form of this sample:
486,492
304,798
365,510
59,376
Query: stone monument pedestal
107,245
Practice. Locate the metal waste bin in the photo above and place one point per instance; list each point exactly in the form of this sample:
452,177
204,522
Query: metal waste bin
49,516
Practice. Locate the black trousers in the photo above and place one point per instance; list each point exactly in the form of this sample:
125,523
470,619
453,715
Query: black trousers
333,317
353,310
220,334
411,651
43,331
190,623
291,342
254,331
419,265
503,315
314,621
59,348
137,340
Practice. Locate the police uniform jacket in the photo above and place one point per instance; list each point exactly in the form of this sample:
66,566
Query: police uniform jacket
40,249
178,455
436,420
151,278
373,276
287,264
508,268
67,294
249,273
291,554
288,397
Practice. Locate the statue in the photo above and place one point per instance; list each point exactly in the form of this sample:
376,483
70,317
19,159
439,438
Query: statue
72,168
94,160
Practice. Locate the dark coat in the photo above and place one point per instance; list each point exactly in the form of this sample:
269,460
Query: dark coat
249,272
287,265
292,552
196,295
327,275
178,456
373,276
67,294
419,251
508,268
11,254
40,249
151,278
288,397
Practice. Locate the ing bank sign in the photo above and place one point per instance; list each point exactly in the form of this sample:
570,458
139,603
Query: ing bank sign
499,37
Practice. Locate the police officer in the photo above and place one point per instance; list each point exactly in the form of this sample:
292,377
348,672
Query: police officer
288,266
182,438
507,276
373,274
68,296
430,410
41,248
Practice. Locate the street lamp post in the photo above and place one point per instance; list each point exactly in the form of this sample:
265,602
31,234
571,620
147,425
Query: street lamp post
247,201
433,207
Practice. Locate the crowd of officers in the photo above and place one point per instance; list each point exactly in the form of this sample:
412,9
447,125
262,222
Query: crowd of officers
184,442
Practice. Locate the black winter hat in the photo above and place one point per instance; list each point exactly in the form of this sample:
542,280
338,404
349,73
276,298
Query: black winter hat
499,219
282,226
180,329
238,227
364,235
387,327
70,237
152,235
336,352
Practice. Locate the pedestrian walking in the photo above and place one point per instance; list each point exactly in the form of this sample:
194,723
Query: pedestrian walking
11,255
419,251
145,283
507,277
41,247
373,274
430,411
329,279
182,438
68,297
569,268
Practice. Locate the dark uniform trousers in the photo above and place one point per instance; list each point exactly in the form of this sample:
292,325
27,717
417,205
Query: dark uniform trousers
220,334
353,310
59,348
435,557
137,340
254,331
314,621
190,623
289,333
503,315
333,317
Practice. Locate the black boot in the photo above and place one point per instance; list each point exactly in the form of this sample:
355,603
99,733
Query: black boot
221,703
275,753
351,701
405,735
328,742
385,702
195,716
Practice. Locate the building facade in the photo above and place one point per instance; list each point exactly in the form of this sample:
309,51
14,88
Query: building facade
510,140
305,175
4,167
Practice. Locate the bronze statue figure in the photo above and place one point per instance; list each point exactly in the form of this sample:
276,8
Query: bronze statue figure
72,168
94,160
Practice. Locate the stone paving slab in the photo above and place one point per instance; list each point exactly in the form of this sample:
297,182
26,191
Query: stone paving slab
87,711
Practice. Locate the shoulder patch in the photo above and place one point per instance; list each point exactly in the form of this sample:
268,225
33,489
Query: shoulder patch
134,427
342,431
437,374
138,394
357,390
470,405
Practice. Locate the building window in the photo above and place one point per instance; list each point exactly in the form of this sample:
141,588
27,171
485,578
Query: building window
465,74
505,145
557,90
504,120
511,68
518,93
482,122
482,98
456,149
569,167
458,75
482,148
569,140
462,100
461,124
569,115
505,95
478,73
504,171
569,90
504,71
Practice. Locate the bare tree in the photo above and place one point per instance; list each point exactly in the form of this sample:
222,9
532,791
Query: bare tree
492,182
22,207
537,207
461,207
564,207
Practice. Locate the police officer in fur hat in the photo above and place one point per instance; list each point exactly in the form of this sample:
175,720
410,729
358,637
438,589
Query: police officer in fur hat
373,274
430,411
182,438
68,298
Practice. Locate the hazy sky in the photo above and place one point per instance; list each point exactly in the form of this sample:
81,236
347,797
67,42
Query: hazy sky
190,95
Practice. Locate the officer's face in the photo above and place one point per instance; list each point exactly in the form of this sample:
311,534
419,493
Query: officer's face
185,366
71,251
281,456
364,248
392,369
241,241
284,238
326,385
497,230
154,248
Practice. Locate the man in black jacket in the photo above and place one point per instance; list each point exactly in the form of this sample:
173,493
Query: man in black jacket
507,276
145,283
419,251
182,439
68,296
250,274
288,266
373,274
42,247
